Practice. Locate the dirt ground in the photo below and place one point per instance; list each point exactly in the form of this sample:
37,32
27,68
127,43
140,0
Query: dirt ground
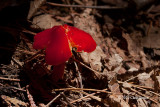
123,70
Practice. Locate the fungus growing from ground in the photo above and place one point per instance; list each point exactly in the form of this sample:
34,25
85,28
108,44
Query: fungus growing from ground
58,43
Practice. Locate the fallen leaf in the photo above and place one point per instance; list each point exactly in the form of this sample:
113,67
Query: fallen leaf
34,6
44,21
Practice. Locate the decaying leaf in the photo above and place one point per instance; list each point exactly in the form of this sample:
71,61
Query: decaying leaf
145,80
158,78
152,40
115,63
44,21
34,6
94,58
133,47
116,97
142,102
143,76
119,99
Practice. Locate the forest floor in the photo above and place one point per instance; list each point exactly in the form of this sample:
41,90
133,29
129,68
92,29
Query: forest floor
123,70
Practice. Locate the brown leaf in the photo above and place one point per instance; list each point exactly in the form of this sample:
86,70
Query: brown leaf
44,21
34,6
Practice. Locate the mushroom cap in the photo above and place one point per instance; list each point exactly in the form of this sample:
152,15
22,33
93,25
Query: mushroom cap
59,41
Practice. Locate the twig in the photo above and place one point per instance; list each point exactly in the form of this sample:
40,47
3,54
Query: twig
139,93
67,100
26,52
137,85
22,94
64,19
87,95
17,62
33,57
142,88
53,100
71,9
82,6
30,32
96,72
144,95
79,78
130,79
11,87
19,89
10,79
147,90
79,2
103,91
30,98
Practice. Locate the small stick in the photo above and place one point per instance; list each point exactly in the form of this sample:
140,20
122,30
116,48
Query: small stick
19,89
130,79
103,91
67,100
96,72
137,85
26,52
144,95
147,90
87,95
10,79
17,62
30,32
79,78
142,88
140,93
33,57
82,6
30,98
53,100
79,2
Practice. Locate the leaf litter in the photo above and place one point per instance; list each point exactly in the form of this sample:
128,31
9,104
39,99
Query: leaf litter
122,71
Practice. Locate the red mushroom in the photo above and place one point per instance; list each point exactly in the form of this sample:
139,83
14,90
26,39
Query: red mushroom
58,43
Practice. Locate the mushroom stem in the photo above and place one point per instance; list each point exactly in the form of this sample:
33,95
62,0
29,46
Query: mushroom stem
58,72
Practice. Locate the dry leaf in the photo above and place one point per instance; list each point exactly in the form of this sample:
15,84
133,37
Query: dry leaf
127,85
44,21
94,58
34,6
142,102
119,99
89,25
145,80
115,63
158,78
